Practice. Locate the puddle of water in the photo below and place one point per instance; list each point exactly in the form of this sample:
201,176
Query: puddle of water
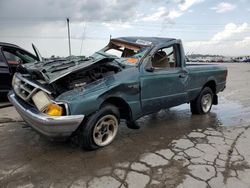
228,113
232,114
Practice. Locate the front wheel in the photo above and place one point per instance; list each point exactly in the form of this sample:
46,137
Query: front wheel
101,128
203,103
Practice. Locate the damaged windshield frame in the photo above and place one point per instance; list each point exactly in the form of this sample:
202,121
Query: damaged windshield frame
131,54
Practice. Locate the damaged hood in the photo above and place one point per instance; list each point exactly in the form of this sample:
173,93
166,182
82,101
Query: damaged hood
53,70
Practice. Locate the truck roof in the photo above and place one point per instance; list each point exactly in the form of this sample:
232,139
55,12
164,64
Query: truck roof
147,40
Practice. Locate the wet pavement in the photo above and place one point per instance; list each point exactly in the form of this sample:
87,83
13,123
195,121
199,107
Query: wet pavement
171,149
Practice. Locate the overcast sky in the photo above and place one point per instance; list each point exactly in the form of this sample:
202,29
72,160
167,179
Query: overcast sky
205,26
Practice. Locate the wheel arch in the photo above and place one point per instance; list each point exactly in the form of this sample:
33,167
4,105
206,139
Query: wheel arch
121,104
212,85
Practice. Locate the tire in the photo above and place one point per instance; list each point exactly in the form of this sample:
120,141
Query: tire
203,103
101,128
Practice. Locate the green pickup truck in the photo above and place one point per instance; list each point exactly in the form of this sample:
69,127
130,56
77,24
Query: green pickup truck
129,78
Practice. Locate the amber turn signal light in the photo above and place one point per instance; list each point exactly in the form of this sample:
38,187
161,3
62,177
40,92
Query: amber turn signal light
54,110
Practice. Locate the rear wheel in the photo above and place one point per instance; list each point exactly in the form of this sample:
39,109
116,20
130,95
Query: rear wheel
101,128
203,103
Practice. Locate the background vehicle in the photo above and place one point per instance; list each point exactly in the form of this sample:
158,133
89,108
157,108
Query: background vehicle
10,57
89,96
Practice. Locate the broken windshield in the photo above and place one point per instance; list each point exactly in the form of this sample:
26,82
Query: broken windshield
127,52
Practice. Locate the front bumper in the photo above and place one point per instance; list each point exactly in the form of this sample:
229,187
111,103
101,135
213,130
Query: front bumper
50,126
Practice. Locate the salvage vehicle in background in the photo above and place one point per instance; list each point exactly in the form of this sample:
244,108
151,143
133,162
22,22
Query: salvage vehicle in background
129,78
10,57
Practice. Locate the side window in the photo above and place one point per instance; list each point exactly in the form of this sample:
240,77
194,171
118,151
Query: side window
26,58
16,56
11,58
165,58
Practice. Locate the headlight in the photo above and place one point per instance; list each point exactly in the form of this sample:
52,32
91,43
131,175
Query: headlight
44,104
16,83
41,100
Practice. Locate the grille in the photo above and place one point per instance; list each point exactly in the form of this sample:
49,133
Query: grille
25,88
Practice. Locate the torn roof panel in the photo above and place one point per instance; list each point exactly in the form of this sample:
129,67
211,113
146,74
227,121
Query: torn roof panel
145,41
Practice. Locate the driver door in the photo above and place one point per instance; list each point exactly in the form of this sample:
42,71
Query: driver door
163,83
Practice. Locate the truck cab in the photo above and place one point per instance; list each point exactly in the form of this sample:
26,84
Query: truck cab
164,77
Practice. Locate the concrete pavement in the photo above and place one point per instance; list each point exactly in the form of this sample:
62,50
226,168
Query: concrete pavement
172,149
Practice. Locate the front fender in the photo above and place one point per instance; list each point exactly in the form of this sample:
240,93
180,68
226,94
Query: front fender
85,104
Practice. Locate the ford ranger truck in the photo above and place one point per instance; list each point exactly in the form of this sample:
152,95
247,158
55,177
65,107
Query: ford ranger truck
129,78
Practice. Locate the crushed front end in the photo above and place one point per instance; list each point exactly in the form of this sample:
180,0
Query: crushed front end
39,87
36,106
